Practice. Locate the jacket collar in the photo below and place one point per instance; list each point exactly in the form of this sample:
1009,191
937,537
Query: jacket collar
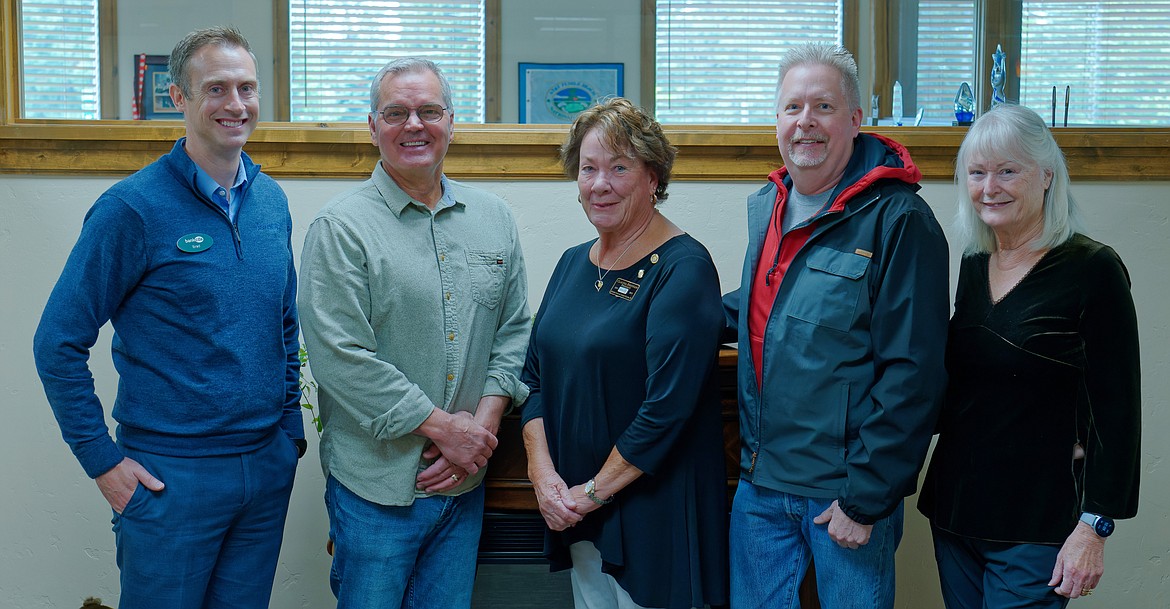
875,157
182,165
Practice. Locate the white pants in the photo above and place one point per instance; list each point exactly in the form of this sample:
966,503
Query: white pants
593,589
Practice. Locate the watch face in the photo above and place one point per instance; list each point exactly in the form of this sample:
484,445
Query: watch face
1104,527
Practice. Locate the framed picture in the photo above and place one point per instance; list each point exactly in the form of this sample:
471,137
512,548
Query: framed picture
557,92
152,92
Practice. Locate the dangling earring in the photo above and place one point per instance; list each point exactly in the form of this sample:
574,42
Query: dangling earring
653,199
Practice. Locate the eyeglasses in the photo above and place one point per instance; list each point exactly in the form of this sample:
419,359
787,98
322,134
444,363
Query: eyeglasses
396,115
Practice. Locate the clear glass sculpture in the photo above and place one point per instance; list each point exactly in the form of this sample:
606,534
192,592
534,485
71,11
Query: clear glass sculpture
964,105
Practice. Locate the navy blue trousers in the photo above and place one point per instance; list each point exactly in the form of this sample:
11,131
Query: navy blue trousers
211,538
981,574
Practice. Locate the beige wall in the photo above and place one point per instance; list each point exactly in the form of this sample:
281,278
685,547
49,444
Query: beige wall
56,547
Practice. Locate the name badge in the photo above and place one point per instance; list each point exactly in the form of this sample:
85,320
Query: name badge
624,289
195,243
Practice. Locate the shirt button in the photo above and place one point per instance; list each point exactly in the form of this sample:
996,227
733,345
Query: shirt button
451,336
448,295
450,377
442,257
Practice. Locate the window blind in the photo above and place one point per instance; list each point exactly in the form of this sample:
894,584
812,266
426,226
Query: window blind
337,46
946,56
1115,56
716,61
59,49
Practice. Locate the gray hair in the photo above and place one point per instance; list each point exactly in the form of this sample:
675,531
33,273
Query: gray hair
223,35
1015,133
832,55
409,65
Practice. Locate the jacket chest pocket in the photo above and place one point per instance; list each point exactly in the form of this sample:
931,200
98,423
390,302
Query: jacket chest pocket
828,292
487,270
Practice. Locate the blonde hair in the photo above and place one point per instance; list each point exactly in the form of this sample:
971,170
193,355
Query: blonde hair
1015,133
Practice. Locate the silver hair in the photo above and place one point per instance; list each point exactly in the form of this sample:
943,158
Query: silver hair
409,65
819,53
1016,133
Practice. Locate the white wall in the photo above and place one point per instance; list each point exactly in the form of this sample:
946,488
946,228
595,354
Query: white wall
155,26
543,31
56,547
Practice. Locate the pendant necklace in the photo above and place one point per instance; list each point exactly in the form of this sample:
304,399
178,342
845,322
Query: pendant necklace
600,275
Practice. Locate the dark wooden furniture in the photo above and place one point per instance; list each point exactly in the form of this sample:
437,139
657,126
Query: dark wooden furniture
513,529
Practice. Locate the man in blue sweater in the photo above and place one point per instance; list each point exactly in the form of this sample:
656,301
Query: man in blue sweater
191,261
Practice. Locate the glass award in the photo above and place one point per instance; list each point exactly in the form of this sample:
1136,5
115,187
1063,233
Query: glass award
998,77
964,105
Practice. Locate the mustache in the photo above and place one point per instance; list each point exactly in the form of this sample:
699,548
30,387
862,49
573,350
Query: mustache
801,135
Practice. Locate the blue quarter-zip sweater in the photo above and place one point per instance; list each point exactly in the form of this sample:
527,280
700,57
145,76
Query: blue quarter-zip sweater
204,316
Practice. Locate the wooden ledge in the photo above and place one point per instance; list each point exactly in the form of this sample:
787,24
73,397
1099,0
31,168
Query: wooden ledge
528,152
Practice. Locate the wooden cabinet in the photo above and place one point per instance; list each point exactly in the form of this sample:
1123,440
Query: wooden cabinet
513,529
507,485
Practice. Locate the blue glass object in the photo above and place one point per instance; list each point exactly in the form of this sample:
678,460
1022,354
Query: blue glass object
964,105
998,76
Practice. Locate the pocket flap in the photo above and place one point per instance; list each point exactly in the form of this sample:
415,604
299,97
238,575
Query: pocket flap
833,262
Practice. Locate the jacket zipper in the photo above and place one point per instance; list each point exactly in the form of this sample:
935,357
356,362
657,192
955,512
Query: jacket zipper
760,397
236,238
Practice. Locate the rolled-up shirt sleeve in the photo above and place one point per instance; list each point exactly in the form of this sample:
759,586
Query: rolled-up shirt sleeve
335,309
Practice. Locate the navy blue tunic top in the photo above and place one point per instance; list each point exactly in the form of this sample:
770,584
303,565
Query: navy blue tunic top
632,365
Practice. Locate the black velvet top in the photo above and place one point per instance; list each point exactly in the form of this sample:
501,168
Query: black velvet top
1052,365
632,365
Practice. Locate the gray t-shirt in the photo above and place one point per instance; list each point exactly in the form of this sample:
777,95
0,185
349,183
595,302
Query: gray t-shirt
800,207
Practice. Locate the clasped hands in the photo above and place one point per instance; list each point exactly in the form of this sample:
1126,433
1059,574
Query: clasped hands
561,506
460,446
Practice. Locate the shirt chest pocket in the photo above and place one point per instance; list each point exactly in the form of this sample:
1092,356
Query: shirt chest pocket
829,290
488,271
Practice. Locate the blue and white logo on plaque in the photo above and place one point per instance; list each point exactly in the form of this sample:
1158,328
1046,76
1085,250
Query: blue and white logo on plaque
553,93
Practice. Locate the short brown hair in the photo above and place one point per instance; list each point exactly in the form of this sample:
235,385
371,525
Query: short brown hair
223,35
622,127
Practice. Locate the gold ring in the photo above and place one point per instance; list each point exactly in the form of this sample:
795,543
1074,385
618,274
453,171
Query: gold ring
1086,591
455,477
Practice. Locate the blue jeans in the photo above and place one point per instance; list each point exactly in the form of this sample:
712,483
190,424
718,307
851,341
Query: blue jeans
773,538
211,538
402,557
979,574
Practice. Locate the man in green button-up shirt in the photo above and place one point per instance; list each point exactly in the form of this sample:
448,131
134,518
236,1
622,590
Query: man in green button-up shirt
415,315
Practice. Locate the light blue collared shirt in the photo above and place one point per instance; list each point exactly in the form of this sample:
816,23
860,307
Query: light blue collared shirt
212,190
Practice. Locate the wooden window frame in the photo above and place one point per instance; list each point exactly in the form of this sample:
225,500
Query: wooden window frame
497,151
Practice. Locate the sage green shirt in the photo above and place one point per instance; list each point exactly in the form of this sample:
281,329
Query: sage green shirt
404,309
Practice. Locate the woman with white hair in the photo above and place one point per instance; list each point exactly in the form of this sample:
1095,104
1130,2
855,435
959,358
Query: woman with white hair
1039,440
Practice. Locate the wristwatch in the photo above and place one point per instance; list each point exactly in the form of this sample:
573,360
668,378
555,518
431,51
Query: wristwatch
589,492
1102,525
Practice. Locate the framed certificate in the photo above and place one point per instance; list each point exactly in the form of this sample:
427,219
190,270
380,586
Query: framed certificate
555,93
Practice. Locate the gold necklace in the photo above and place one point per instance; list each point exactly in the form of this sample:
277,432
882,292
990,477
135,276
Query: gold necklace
600,275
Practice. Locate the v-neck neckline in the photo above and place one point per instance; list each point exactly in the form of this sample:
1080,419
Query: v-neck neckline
1028,273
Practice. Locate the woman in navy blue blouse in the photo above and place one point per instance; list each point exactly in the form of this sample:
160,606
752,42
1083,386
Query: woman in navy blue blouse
623,428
